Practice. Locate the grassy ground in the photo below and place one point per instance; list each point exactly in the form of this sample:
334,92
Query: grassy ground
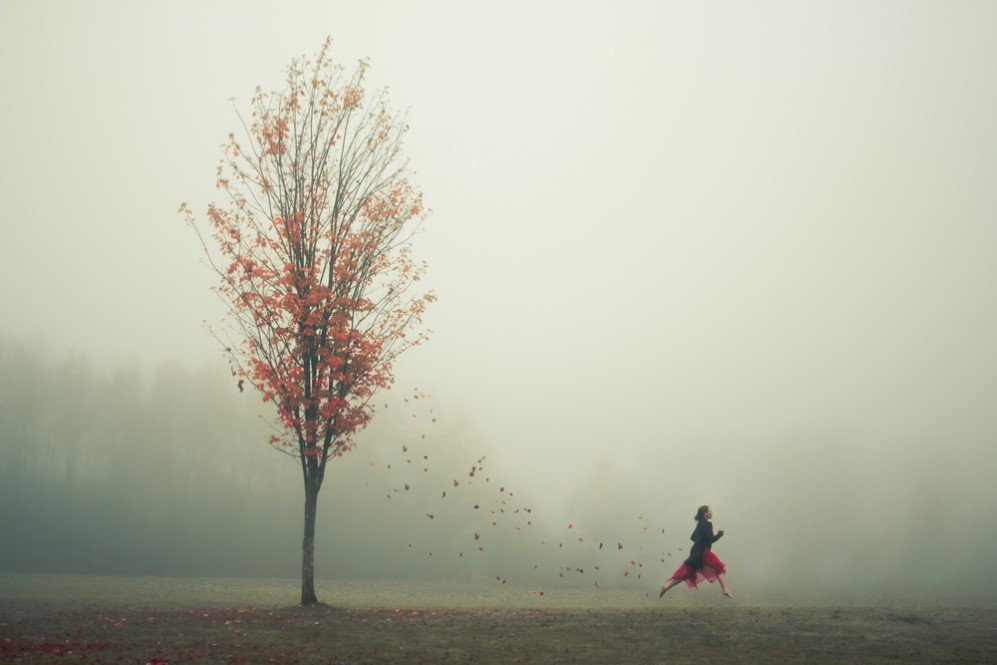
157,620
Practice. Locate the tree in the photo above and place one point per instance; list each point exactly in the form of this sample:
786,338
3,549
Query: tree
315,264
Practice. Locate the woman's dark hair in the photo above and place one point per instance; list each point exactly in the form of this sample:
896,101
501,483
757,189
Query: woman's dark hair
702,511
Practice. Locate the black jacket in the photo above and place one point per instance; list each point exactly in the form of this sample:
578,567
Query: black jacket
702,538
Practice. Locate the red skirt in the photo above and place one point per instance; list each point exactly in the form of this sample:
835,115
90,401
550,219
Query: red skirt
712,566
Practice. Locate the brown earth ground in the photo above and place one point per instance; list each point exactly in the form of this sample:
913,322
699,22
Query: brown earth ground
335,635
61,619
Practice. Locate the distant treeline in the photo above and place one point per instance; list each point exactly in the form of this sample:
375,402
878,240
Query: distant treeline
105,470
109,471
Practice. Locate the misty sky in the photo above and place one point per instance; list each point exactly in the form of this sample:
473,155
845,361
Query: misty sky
681,239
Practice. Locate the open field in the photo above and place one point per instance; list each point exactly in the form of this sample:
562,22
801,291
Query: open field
49,618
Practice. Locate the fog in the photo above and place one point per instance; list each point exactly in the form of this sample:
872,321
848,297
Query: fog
685,253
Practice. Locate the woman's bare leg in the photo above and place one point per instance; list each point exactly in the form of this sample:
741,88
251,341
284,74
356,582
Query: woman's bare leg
668,585
723,584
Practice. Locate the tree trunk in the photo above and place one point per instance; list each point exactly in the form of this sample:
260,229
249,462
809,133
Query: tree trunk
308,549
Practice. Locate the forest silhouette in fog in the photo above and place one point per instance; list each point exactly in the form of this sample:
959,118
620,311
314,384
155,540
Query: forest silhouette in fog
104,470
